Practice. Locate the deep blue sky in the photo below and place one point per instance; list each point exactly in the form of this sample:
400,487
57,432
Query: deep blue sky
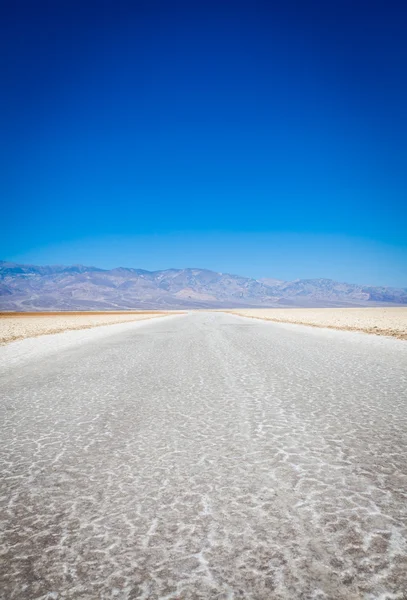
263,138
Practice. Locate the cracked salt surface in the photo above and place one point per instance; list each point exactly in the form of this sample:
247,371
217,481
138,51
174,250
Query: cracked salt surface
204,456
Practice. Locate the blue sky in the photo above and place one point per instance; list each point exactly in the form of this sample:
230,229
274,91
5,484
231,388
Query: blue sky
260,138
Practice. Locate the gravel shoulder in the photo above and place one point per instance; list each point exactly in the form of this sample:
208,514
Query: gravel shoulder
385,321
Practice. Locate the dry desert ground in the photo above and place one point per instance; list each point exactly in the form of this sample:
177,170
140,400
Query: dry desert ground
387,321
17,326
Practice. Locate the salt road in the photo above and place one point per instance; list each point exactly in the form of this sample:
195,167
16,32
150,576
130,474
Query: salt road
204,456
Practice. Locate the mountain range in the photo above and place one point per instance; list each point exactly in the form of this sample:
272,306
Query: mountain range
78,287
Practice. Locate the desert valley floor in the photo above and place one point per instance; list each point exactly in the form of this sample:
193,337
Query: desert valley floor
204,455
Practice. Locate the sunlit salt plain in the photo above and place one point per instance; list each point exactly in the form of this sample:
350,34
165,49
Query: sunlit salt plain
204,455
18,326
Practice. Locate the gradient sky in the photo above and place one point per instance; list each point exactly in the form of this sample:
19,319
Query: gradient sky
260,138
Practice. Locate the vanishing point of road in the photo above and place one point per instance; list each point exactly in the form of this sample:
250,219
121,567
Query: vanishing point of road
205,456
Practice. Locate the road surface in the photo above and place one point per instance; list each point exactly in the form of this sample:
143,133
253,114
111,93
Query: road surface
206,456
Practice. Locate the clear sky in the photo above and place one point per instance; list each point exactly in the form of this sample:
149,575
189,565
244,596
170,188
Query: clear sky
260,138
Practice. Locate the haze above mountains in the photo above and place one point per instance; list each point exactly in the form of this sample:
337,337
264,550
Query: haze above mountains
78,287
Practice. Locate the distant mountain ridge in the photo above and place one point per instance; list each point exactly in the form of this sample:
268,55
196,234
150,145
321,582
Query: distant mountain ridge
79,287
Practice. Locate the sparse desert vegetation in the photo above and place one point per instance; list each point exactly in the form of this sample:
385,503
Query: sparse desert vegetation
387,321
17,326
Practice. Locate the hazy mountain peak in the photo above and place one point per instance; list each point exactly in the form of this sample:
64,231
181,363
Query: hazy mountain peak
31,287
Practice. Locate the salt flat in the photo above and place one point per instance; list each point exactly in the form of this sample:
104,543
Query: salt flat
388,321
204,456
18,326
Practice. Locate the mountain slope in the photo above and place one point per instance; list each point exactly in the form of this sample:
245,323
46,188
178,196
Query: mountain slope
78,287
